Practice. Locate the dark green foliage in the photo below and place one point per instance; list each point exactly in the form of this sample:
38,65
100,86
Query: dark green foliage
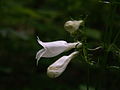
22,20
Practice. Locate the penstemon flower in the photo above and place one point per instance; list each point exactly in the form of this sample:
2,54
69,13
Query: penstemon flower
58,67
51,49
72,26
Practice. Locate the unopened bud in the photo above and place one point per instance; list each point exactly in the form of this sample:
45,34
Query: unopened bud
72,26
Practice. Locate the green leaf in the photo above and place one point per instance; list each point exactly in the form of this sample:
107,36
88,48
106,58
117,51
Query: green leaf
92,33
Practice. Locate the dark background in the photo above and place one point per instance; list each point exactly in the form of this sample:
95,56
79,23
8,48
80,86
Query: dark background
22,20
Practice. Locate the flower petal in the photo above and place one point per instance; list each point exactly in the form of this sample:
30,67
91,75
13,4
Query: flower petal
52,49
40,42
57,47
58,67
39,54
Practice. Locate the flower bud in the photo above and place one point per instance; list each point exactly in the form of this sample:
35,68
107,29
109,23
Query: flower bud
72,26
58,67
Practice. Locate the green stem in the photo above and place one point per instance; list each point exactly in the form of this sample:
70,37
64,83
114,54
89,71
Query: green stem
88,79
85,57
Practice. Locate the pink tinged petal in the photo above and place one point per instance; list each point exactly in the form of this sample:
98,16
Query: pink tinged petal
58,67
52,49
39,54
40,42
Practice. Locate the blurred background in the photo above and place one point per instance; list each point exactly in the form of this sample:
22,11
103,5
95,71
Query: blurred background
22,20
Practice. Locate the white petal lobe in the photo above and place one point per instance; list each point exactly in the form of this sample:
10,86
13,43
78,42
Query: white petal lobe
39,54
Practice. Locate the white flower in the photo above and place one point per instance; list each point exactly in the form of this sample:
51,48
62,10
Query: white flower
58,67
51,49
72,26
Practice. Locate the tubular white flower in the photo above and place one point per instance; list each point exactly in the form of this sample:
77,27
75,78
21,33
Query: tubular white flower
51,49
58,67
72,26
